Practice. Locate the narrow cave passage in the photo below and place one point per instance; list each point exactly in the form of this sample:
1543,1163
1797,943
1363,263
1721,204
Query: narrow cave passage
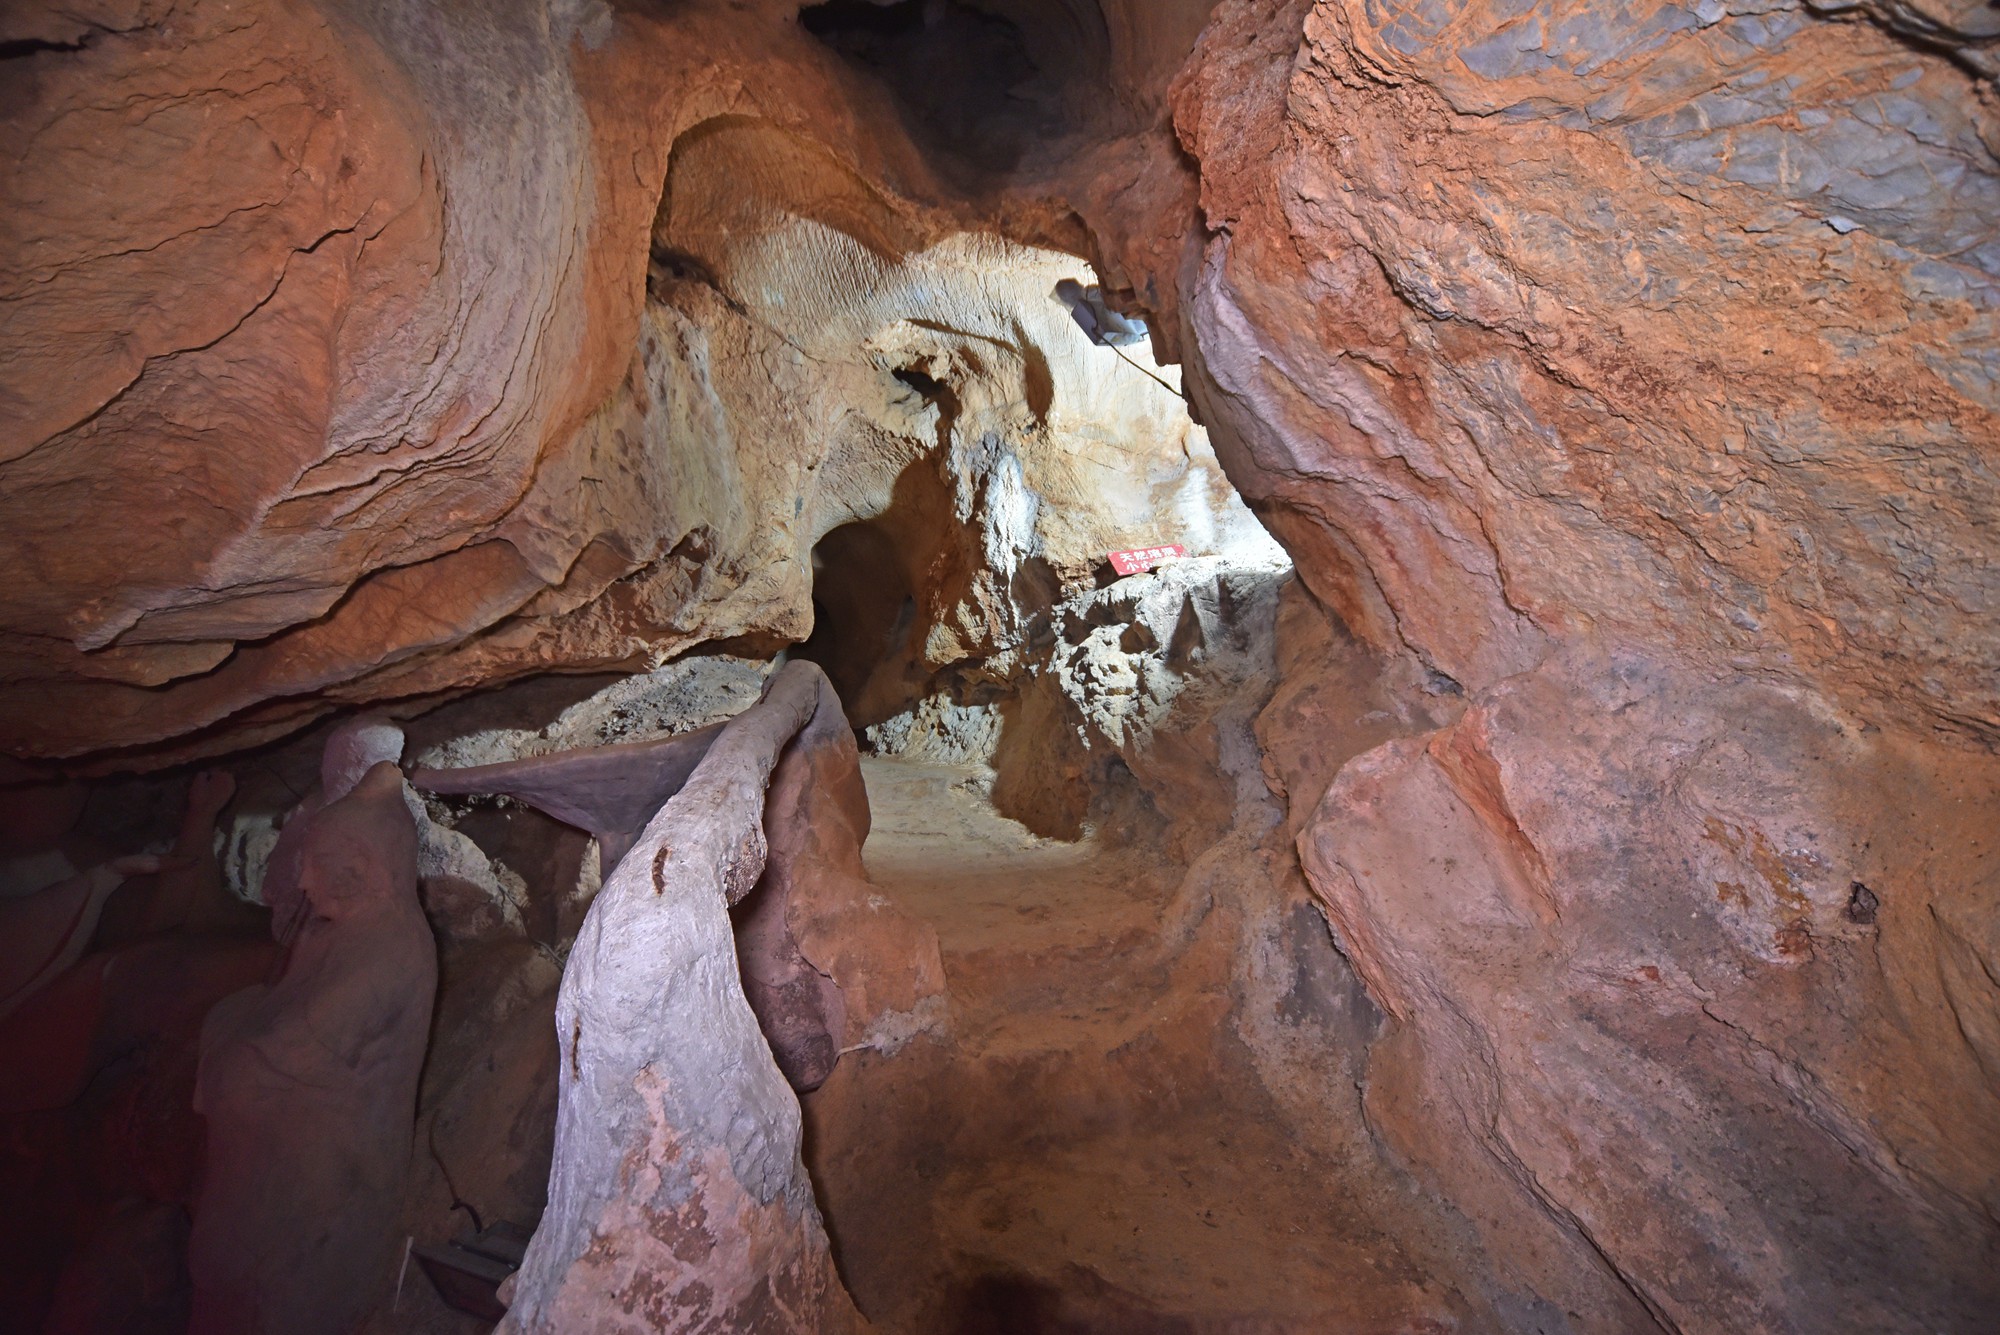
1126,1103
646,687
1079,1130
1061,1029
864,611
1086,1143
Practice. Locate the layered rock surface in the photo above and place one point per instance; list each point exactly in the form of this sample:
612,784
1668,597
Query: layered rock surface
1634,371
1668,326
1622,382
444,424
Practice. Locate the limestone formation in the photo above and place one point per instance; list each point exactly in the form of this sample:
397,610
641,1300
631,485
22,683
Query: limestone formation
1628,475
678,1201
308,1085
1713,975
665,490
1622,383
351,752
827,966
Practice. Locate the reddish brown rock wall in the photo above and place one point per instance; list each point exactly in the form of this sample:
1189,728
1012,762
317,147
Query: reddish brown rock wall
303,331
1635,369
423,429
1660,329
1623,377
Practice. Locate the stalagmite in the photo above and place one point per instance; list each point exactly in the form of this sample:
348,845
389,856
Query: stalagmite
309,1086
678,1201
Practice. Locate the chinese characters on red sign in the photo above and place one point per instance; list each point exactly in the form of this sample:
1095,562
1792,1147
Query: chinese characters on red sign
1144,558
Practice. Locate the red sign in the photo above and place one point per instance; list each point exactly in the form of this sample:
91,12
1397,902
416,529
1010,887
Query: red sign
1144,558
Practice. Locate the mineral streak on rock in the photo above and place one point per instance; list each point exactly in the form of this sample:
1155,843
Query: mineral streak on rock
1664,324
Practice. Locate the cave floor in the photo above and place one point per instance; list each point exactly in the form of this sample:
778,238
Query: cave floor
1089,1147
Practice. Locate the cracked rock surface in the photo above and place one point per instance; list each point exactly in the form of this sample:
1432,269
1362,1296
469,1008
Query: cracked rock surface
1621,382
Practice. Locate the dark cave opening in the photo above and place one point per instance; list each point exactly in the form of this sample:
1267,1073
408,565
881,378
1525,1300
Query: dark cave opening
864,610
835,20
985,84
927,386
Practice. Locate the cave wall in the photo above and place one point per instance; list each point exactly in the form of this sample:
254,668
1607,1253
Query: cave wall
1675,325
1623,381
391,361
319,320
252,339
1634,370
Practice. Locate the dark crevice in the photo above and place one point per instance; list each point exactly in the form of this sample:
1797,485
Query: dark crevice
677,266
864,610
928,386
22,47
837,19
979,87
1926,35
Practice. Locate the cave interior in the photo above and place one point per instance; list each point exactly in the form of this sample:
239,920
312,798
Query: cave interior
966,666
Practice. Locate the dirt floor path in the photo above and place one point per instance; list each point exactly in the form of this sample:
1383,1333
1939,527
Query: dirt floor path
1090,1148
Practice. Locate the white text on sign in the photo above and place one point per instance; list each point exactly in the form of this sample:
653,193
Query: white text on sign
1144,558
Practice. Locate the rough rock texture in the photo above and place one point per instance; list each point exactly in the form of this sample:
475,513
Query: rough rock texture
1143,1113
611,791
464,892
815,820
1622,378
309,1086
677,697
1144,686
828,965
1661,325
1701,1036
678,1201
1635,370
441,426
